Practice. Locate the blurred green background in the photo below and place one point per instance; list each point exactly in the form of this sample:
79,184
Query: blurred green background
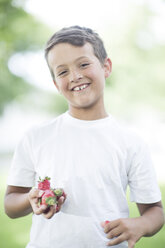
134,93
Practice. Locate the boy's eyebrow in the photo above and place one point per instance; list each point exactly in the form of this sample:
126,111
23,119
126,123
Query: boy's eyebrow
82,57
79,58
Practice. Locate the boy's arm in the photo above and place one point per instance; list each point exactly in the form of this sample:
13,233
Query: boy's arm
16,202
132,229
153,217
21,201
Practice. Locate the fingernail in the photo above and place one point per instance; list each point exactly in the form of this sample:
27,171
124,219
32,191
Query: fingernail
102,224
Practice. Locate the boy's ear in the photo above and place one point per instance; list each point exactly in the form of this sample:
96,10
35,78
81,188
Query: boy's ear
107,67
56,85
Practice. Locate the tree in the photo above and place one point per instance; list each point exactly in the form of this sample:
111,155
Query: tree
138,77
19,32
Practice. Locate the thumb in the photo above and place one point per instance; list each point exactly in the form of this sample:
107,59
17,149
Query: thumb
61,201
131,244
35,193
40,193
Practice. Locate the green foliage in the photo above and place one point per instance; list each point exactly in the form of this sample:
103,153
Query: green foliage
19,31
138,61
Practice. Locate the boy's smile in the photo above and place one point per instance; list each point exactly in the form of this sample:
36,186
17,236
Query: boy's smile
80,87
79,76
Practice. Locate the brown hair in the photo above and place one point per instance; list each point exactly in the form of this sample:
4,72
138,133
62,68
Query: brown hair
77,36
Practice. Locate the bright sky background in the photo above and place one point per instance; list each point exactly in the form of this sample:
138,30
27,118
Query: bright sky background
96,14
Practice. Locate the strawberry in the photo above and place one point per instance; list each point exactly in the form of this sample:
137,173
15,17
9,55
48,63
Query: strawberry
48,198
106,222
59,192
44,184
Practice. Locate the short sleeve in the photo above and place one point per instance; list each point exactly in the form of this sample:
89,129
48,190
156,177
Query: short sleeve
142,177
22,171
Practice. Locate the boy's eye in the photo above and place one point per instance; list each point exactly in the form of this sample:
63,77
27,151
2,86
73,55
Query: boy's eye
84,64
62,73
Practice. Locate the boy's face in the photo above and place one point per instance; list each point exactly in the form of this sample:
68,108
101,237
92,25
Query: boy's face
79,75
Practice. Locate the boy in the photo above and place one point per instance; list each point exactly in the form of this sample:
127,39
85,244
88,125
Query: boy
87,153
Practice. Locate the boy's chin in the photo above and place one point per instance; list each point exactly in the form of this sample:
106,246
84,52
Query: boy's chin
81,106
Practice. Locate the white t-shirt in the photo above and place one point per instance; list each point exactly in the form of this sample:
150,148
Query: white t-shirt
93,161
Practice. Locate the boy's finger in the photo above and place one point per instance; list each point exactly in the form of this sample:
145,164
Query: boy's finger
111,225
116,241
39,209
131,244
35,193
115,232
104,223
61,201
50,212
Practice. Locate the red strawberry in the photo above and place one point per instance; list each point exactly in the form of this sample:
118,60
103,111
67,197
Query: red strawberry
48,198
106,222
44,184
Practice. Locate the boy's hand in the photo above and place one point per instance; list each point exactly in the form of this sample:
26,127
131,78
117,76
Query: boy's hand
123,230
48,212
131,230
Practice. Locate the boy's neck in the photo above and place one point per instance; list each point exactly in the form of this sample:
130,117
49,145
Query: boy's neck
88,114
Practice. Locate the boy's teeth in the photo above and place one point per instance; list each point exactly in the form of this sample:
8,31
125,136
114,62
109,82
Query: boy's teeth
80,88
77,88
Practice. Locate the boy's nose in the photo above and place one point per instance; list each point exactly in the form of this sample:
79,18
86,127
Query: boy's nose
74,76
